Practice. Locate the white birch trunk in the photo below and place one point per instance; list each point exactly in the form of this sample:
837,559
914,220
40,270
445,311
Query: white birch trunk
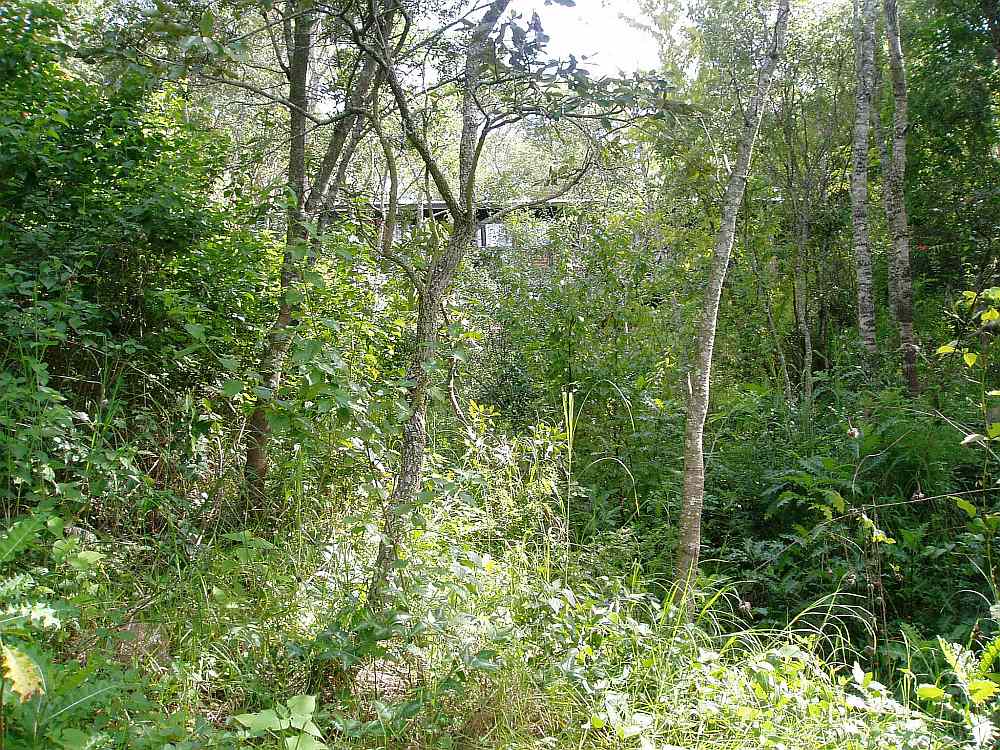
859,174
689,550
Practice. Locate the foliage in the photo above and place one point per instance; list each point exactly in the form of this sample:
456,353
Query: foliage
147,600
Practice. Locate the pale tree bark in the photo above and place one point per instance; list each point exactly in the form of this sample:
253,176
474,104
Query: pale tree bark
865,70
885,164
433,287
689,549
895,201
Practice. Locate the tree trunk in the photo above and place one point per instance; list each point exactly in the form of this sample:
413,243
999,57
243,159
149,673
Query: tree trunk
895,201
279,337
414,440
317,204
689,550
431,293
859,174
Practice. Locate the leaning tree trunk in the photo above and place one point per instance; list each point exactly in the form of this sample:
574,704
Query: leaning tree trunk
895,201
859,175
414,440
431,293
689,549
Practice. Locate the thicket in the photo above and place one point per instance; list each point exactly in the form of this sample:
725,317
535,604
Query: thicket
149,599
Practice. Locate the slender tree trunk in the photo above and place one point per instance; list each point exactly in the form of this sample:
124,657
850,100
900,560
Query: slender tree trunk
689,550
414,441
279,337
859,174
431,294
895,201
314,205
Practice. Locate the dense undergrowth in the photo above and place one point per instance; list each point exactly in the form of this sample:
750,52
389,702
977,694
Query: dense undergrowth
147,600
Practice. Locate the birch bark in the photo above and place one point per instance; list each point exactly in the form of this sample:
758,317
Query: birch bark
689,548
865,70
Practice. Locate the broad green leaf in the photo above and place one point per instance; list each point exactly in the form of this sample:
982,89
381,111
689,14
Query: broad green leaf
965,505
86,560
990,315
930,692
232,387
304,742
970,358
993,430
195,330
263,721
946,349
981,691
302,705
22,673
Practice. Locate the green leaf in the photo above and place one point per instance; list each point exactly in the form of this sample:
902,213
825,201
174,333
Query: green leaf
981,691
993,430
970,358
930,692
965,505
946,349
304,742
302,705
207,23
19,537
86,560
306,350
232,387
263,721
195,330
22,673
990,315
293,296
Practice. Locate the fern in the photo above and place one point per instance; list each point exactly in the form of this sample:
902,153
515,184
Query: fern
959,659
988,656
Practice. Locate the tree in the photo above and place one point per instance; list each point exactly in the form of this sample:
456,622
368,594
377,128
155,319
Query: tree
689,549
901,277
432,283
274,62
865,72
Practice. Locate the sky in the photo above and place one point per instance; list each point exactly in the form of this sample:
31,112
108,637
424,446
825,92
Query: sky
595,27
